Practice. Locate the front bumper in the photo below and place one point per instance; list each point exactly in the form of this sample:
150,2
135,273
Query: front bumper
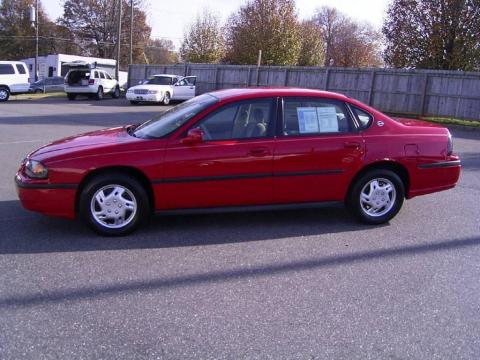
146,97
46,198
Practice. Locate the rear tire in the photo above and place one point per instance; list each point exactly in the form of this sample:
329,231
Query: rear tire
99,95
116,93
72,96
38,91
114,204
376,197
4,94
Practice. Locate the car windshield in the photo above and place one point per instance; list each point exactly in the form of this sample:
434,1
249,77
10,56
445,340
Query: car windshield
159,80
172,119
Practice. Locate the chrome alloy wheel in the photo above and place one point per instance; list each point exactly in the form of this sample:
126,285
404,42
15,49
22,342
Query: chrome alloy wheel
377,197
113,206
3,94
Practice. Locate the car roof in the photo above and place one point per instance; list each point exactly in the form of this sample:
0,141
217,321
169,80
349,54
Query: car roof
229,94
166,75
12,62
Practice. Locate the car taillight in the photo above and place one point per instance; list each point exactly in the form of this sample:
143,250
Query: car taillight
449,145
91,82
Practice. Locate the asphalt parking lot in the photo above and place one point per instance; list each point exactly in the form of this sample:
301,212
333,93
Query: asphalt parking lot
309,284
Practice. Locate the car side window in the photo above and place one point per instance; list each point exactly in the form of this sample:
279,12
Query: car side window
108,76
244,120
183,82
363,117
310,116
7,69
95,74
102,76
21,69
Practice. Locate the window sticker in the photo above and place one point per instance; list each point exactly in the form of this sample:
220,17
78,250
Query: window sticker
307,120
327,118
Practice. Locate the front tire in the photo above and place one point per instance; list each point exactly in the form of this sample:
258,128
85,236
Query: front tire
133,102
166,99
377,196
4,94
71,97
114,204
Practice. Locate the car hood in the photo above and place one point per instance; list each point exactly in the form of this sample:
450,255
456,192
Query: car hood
91,140
150,87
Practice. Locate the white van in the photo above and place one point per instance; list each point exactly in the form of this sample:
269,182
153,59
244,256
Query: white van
13,79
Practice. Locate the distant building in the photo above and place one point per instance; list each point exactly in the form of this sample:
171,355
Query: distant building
53,65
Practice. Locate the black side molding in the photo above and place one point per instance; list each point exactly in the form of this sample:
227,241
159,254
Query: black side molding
246,176
443,164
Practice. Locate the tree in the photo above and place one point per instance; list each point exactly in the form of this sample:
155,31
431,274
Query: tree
433,34
348,43
17,36
267,25
93,24
160,51
203,42
312,51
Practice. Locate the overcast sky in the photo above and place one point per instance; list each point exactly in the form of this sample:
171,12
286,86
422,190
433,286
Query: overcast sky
169,19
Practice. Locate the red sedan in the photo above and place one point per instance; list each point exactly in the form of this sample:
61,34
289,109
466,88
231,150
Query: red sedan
236,149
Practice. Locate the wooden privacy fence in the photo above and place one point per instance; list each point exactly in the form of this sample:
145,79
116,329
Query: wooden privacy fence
417,92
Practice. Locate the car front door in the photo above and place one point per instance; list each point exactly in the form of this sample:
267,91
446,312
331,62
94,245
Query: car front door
185,88
232,166
317,152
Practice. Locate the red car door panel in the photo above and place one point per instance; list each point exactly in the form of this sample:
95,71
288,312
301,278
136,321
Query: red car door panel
225,173
314,169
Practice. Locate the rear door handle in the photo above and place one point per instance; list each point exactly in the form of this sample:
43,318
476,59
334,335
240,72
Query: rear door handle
259,151
352,145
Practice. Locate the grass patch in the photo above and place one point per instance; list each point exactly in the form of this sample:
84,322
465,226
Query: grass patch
452,121
38,96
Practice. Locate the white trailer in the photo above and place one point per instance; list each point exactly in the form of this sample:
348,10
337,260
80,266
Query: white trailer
53,65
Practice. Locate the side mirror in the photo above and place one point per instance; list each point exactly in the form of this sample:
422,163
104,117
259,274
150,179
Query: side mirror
194,136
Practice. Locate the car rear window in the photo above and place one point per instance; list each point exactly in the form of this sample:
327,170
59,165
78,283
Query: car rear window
6,69
310,116
21,69
364,118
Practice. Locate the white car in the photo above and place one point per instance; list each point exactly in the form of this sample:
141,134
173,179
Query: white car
83,80
163,88
13,79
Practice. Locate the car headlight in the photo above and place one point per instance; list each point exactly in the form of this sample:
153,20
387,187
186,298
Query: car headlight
130,91
153,92
35,169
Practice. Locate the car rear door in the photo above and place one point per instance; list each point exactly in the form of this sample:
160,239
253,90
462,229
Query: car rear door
231,167
317,151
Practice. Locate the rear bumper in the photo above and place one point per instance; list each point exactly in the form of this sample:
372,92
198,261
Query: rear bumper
81,89
48,199
434,177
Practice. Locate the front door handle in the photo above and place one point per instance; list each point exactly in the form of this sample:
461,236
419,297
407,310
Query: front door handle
352,145
259,151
